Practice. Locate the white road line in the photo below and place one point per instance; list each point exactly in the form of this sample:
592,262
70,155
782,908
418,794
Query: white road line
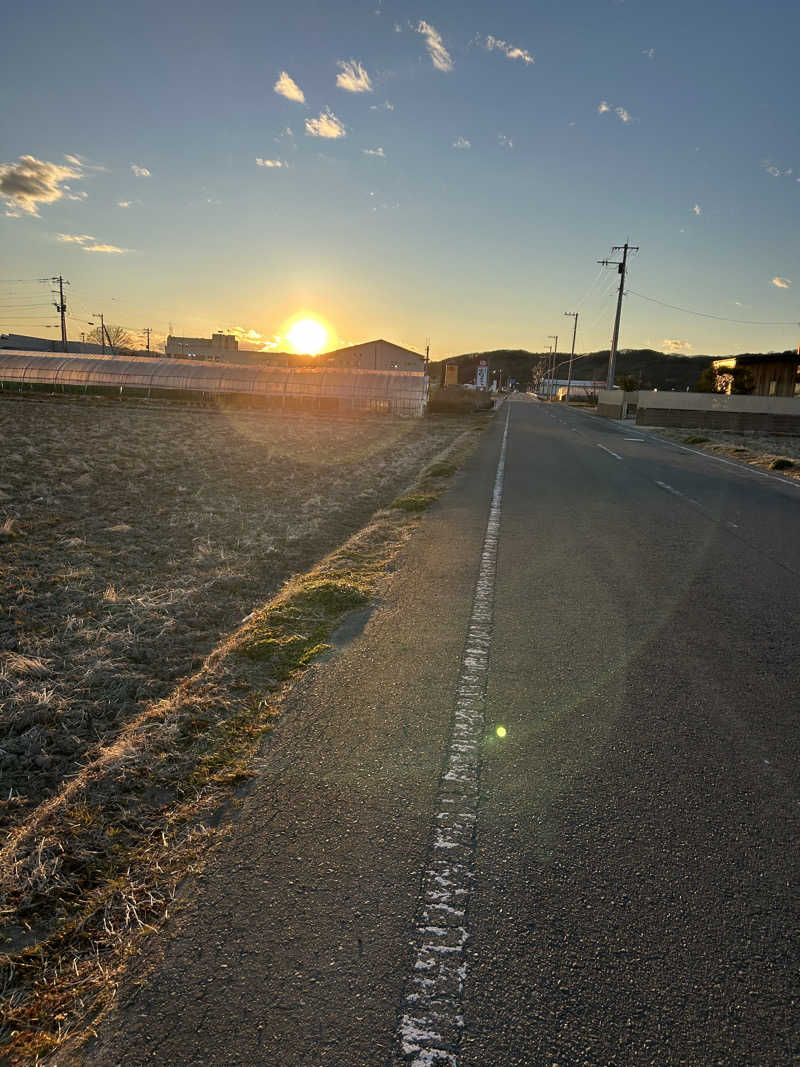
677,492
430,1029
614,454
638,440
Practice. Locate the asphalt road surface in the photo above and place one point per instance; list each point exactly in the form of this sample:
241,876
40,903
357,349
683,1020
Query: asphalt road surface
630,876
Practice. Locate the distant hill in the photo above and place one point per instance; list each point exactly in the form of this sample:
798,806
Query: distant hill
650,369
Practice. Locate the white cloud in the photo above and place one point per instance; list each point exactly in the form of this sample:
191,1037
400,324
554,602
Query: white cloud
140,172
269,162
697,209
76,238
124,203
509,50
440,57
505,142
388,105
622,113
773,171
327,125
462,142
649,52
374,152
674,345
353,77
30,182
782,283
88,243
288,87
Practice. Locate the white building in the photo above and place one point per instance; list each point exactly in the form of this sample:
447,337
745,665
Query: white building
376,355
220,346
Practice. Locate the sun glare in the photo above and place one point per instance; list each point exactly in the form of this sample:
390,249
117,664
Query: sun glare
307,336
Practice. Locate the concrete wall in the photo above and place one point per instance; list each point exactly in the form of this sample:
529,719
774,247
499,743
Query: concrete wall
714,411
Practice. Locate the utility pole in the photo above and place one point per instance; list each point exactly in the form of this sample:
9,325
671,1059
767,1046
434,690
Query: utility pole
427,353
572,315
99,315
554,337
622,267
549,350
61,308
146,331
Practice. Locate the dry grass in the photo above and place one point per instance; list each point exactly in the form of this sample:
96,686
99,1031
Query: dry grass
135,700
756,449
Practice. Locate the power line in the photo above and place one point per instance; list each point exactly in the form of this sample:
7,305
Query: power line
706,315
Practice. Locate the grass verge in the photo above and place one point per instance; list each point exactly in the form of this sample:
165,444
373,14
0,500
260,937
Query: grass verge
94,870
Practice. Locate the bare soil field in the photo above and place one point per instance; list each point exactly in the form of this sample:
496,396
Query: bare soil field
773,452
133,536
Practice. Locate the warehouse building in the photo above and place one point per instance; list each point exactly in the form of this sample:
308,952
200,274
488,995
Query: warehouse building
376,355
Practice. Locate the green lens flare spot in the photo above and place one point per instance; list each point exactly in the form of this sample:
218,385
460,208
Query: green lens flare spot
501,731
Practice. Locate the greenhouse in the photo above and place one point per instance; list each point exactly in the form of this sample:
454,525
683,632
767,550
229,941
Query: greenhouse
305,388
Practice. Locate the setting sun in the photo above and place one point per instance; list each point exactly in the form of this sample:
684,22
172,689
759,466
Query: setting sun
307,336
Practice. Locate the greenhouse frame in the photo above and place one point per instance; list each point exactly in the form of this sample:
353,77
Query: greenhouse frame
303,388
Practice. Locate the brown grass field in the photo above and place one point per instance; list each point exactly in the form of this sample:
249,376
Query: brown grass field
770,452
141,652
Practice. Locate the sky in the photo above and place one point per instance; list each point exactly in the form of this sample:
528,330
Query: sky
440,170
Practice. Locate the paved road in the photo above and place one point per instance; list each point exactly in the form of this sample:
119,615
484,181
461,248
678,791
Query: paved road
633,869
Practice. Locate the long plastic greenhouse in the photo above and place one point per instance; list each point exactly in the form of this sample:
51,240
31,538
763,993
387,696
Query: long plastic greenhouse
306,388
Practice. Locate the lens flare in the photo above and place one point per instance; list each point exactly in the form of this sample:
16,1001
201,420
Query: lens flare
501,731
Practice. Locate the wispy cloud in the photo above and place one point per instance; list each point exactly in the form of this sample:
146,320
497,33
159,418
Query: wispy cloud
288,87
374,152
504,142
327,125
76,238
622,113
440,57
782,283
675,345
89,243
30,182
387,105
140,172
269,162
649,52
125,203
462,142
353,77
697,210
776,172
509,50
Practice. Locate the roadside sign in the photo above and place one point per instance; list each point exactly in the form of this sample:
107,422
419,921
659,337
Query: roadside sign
482,374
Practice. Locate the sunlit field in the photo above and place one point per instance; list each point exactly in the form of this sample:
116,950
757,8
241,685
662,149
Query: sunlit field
133,537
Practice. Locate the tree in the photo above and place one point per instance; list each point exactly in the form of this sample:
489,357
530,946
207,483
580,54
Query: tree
626,382
118,336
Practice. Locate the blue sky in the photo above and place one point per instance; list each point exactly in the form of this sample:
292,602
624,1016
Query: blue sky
491,155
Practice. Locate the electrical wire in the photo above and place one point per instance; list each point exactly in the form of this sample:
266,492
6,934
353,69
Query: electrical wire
706,315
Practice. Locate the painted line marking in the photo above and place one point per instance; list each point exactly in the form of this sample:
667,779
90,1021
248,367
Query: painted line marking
677,492
614,454
638,440
429,1032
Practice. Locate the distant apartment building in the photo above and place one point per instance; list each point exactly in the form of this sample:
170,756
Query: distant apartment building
376,355
223,347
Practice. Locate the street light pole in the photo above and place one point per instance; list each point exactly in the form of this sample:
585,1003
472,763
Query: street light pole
555,354
573,315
